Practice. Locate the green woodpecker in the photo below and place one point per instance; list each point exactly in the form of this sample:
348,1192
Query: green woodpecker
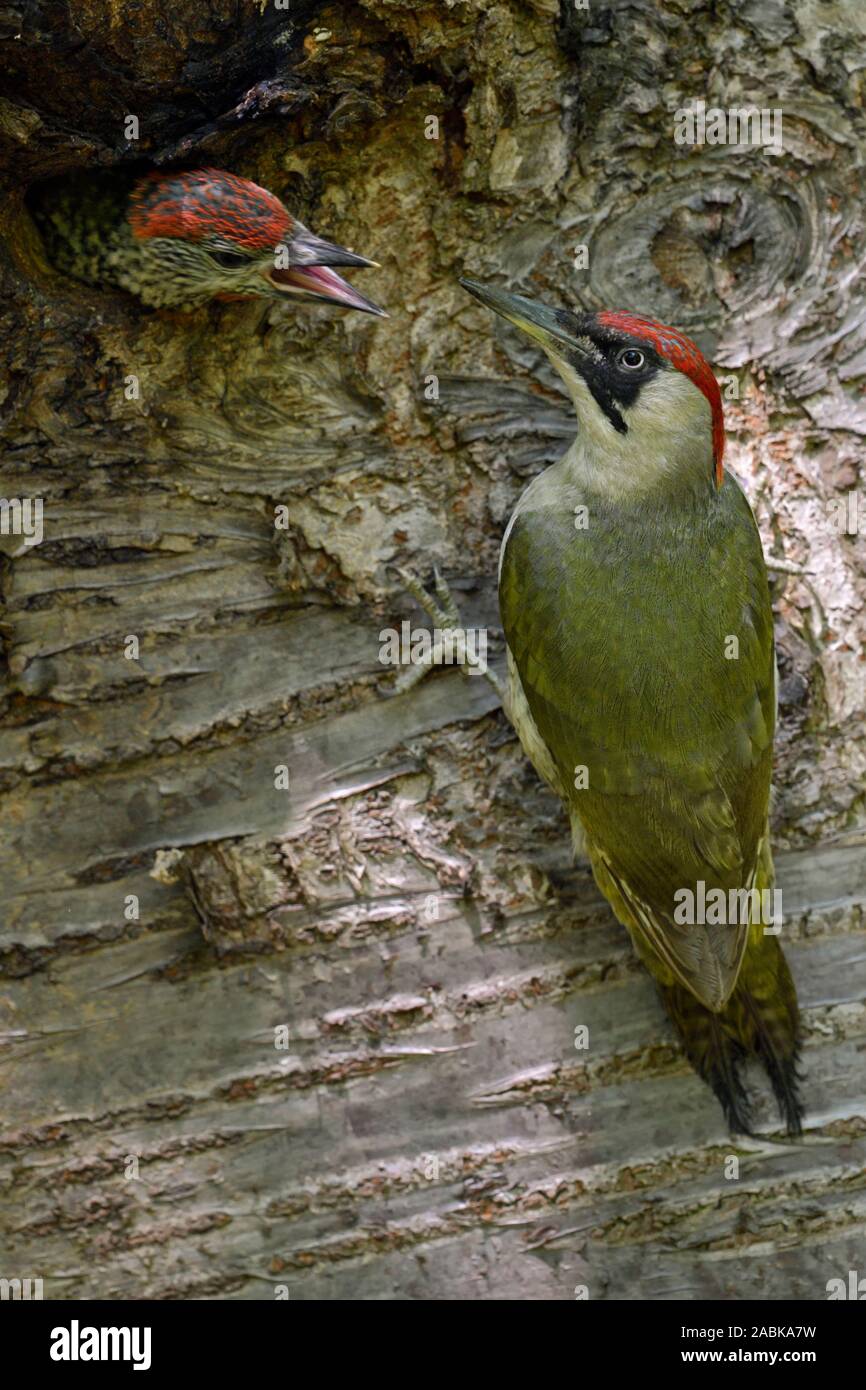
636,610
179,239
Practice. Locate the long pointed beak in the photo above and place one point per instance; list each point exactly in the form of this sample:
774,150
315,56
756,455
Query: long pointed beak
306,248
547,326
309,273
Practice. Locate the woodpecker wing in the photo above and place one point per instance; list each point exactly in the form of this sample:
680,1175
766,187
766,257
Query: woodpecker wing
644,649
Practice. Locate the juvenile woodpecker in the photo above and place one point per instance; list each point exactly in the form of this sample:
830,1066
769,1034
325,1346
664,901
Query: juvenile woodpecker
179,239
636,610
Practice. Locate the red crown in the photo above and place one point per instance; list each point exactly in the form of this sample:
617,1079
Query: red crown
208,202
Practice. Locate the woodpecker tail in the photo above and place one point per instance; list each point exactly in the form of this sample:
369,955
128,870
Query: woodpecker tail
761,1019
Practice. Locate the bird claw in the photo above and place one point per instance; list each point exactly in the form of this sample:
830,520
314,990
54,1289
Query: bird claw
449,636
785,566
443,614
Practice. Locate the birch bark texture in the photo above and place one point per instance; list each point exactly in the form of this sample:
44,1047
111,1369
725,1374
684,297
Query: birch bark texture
317,1032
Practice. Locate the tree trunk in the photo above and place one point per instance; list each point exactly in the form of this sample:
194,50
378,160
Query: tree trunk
406,907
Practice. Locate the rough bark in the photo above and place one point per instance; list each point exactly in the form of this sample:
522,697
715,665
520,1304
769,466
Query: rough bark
408,908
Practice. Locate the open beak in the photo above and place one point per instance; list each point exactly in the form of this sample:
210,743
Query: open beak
549,327
310,276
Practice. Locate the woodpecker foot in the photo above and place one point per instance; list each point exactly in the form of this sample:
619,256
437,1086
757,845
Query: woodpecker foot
785,566
449,644
819,618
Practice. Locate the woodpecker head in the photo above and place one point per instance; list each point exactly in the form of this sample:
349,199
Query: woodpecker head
648,404
182,238
207,234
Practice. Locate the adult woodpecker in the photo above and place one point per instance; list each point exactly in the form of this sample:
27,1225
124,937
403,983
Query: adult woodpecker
641,680
179,239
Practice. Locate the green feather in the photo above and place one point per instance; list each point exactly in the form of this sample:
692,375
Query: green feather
644,648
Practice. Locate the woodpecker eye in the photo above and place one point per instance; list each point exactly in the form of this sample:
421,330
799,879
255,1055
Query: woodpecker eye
230,260
631,359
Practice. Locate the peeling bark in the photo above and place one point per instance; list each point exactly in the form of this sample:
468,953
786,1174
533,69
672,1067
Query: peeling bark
408,907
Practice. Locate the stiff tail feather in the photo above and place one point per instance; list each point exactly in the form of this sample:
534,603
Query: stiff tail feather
761,1019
